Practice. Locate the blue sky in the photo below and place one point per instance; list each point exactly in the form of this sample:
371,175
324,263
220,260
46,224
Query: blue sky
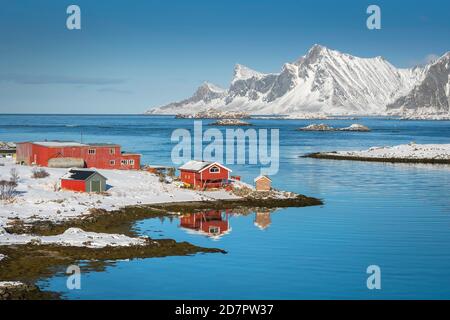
131,55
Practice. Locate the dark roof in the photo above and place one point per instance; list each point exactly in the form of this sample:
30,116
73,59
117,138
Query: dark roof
75,174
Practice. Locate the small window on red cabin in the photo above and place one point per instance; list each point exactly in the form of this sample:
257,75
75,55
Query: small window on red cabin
131,162
124,162
214,169
112,151
91,151
112,162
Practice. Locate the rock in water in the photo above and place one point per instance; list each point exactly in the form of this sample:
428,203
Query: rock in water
356,127
317,127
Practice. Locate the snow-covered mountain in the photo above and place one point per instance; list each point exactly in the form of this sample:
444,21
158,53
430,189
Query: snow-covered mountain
430,96
323,81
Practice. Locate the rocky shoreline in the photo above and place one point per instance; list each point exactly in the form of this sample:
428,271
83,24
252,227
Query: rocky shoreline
404,153
331,156
30,262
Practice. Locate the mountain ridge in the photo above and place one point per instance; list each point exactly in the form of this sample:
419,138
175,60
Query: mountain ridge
324,81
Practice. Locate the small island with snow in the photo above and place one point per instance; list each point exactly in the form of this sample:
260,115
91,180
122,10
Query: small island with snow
213,113
230,123
324,127
406,153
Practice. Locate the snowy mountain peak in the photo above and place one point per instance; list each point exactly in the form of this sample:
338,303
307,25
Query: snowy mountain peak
429,96
242,72
208,86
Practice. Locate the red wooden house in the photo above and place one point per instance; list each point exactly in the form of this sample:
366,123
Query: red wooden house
204,174
74,154
212,223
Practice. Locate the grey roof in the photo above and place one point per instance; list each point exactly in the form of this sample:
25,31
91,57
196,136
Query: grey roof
60,144
103,144
80,174
195,165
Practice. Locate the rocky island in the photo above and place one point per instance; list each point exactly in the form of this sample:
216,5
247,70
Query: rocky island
230,122
406,153
213,113
324,127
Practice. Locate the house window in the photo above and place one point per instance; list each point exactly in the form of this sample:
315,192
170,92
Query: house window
214,230
91,151
124,162
214,170
112,151
112,162
131,162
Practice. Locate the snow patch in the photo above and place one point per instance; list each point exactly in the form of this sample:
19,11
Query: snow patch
73,237
404,151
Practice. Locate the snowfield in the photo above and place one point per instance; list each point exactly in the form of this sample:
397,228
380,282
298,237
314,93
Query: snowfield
73,237
38,200
404,151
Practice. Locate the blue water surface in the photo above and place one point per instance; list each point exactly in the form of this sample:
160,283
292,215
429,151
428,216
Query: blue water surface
396,216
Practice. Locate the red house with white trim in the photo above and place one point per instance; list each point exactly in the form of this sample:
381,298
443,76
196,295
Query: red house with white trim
204,174
74,154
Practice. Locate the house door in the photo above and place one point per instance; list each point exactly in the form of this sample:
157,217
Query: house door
95,186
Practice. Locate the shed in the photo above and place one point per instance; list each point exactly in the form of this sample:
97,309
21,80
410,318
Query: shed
263,183
83,181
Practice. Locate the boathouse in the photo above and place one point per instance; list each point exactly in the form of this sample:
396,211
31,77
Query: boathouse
83,180
204,174
63,154
263,183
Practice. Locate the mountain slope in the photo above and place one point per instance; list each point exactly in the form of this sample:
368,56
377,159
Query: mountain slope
431,96
322,81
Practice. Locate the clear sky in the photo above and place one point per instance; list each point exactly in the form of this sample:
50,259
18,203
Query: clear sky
131,55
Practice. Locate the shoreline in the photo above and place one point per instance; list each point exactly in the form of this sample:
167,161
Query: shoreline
330,156
29,263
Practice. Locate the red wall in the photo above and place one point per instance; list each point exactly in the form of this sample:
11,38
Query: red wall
105,157
223,174
74,185
197,178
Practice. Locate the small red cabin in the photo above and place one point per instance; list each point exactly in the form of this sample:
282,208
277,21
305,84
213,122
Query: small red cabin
204,174
83,181
73,154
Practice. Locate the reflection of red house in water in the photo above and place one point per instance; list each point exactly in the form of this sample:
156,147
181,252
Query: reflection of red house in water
203,174
212,223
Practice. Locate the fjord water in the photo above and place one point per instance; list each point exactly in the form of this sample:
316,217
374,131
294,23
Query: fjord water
396,216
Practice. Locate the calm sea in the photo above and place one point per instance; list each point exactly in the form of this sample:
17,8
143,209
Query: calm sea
395,216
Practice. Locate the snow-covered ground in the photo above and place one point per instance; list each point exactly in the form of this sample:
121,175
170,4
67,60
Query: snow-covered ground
72,237
10,284
404,151
2,256
38,200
